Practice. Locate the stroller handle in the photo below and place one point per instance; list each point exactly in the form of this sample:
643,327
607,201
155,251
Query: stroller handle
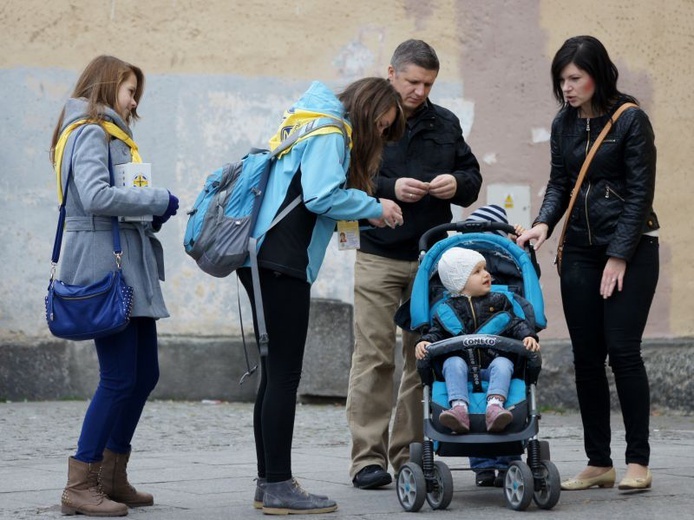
485,341
462,227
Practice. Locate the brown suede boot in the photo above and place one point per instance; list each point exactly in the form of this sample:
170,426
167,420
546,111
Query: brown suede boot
83,495
114,481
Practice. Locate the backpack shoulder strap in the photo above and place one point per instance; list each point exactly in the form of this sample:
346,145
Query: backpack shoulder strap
318,125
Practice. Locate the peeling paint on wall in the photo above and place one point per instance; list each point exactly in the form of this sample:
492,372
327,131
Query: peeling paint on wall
219,77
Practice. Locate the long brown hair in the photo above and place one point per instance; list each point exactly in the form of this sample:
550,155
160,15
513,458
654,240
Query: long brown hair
366,101
99,84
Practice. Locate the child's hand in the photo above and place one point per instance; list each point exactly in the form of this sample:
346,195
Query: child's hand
531,344
420,351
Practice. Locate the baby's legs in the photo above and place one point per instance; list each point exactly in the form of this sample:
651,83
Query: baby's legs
500,371
455,374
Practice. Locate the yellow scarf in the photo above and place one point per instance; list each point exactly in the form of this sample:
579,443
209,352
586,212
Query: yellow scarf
296,118
111,128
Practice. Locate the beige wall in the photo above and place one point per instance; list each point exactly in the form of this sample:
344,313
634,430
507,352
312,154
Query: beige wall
238,54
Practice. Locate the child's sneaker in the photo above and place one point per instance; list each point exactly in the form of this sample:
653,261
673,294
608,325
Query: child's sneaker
456,419
497,418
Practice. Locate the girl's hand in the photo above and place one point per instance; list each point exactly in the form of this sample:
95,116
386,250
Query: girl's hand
531,344
420,351
392,214
612,276
538,233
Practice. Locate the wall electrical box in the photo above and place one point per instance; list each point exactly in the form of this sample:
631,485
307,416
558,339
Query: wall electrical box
515,199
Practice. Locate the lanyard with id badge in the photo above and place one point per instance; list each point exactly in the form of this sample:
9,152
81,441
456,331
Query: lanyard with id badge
134,174
348,234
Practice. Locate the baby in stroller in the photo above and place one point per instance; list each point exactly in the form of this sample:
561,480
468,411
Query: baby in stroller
473,336
464,275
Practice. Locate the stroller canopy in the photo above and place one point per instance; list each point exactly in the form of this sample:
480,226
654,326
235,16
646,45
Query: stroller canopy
490,245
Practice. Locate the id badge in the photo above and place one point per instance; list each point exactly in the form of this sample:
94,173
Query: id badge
347,234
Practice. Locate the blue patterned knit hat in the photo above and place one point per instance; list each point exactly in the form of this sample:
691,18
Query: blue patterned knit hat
490,213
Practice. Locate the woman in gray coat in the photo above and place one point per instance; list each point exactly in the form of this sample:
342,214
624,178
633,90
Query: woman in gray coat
94,124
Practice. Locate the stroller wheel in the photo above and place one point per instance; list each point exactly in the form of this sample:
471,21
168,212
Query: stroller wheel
548,496
442,492
519,485
411,487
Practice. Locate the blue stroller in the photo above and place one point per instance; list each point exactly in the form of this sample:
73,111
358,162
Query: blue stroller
516,273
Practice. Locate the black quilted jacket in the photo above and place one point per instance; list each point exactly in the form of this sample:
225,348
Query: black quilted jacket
614,205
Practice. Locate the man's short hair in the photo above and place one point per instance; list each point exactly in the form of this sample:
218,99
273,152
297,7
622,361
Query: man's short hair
415,52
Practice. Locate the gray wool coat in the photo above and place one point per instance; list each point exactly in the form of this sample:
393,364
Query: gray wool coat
87,252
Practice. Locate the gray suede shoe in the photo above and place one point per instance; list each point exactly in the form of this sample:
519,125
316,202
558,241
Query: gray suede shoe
288,498
259,492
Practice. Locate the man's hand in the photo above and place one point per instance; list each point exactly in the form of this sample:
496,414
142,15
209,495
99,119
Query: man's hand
443,186
408,189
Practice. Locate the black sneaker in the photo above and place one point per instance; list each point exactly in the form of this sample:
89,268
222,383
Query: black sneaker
485,478
371,477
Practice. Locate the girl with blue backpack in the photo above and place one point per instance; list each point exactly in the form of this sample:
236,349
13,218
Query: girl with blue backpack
332,173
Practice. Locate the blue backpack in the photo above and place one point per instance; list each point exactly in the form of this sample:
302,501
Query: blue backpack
220,224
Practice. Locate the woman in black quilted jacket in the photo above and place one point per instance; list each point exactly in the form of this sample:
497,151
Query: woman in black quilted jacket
610,264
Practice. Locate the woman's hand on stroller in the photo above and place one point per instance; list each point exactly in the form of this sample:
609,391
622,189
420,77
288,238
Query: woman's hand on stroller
538,233
420,350
531,344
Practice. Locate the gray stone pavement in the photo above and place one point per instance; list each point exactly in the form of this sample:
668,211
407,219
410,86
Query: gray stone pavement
197,458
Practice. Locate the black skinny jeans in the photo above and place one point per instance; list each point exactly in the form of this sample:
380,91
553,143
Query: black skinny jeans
286,303
611,328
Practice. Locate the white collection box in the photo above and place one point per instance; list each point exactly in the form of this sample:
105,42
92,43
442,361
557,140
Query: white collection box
134,175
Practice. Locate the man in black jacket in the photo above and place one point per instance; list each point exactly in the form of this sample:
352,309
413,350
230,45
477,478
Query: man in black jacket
429,169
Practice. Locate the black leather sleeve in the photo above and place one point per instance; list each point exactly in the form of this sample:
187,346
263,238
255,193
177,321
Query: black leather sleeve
639,166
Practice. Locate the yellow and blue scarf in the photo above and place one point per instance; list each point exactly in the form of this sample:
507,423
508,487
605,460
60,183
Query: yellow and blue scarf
111,128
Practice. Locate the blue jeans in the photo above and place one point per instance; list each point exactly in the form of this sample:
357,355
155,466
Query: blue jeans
498,374
129,371
502,462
